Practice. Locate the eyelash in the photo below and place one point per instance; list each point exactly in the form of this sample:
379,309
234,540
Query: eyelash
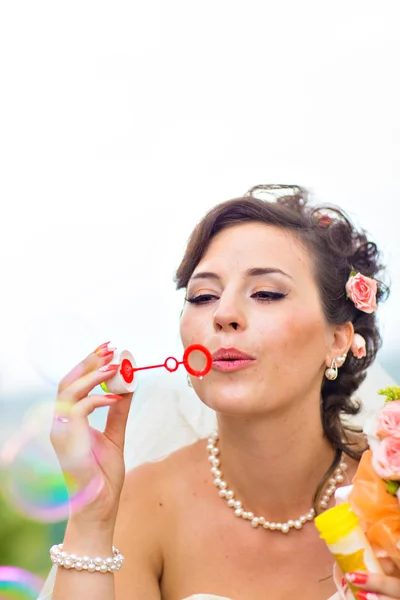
261,296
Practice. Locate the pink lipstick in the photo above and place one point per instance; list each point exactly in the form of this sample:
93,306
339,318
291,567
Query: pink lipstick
231,359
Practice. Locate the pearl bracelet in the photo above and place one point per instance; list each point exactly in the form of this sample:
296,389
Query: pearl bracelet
86,563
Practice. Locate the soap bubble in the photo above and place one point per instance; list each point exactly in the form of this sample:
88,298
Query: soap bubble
32,482
18,584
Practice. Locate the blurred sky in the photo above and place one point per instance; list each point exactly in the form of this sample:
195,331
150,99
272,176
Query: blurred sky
122,122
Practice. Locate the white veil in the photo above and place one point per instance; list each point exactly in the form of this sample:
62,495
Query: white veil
166,415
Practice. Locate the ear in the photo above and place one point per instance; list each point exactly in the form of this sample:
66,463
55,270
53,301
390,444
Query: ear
341,341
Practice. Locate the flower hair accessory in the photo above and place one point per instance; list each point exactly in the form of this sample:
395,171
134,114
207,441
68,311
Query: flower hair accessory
362,292
358,346
324,220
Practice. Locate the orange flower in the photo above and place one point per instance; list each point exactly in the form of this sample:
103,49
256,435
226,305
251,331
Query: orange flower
378,510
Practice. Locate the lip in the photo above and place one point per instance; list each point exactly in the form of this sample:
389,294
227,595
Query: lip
231,359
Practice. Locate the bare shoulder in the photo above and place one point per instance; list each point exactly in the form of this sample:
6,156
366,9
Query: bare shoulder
150,483
147,505
149,491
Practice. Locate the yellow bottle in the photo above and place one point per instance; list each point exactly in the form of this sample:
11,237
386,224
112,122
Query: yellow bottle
339,528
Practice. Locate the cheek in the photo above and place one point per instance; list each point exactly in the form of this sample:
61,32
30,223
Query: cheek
192,328
296,333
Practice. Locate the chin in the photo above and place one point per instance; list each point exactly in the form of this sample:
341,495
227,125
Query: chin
229,398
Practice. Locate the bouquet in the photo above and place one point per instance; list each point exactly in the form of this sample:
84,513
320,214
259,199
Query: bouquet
375,496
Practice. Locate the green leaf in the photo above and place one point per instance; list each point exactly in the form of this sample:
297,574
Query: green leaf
392,393
392,487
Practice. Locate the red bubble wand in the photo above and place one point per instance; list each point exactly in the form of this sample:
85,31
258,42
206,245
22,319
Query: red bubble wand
123,381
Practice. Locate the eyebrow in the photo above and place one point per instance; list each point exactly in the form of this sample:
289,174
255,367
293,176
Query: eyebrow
255,272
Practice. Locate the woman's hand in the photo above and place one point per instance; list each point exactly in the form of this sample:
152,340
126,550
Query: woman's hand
92,461
373,586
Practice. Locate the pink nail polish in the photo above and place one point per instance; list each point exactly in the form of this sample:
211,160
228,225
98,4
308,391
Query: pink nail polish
108,368
113,396
100,347
366,596
105,352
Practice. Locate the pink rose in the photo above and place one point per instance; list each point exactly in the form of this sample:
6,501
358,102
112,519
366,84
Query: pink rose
358,346
386,458
362,291
388,423
325,221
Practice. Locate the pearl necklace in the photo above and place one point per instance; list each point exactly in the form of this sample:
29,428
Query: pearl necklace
229,496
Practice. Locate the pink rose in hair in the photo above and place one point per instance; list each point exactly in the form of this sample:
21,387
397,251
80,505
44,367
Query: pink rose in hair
386,458
358,347
388,423
325,221
362,291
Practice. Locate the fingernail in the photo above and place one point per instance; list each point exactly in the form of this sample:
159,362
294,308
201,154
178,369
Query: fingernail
107,368
100,347
366,596
105,352
113,396
357,578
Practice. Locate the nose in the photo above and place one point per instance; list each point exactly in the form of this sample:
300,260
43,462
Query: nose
229,315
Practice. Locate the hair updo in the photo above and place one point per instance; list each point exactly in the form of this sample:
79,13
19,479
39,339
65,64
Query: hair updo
337,248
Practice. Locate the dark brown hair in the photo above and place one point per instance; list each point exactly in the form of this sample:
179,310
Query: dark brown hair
337,248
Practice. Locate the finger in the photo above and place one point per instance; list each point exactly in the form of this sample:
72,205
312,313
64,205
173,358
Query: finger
70,434
389,567
72,440
93,361
117,419
85,407
80,388
375,582
372,596
68,418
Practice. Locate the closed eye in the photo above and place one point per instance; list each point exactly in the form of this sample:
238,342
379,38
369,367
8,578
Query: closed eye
262,296
265,296
201,299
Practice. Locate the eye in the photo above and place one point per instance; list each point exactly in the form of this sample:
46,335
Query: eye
265,296
202,299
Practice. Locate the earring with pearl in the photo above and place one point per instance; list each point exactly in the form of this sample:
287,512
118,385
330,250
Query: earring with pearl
332,372
340,360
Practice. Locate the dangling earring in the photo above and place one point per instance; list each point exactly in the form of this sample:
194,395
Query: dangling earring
332,372
341,360
189,380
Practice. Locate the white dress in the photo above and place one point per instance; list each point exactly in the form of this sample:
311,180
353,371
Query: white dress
166,415
211,597
46,595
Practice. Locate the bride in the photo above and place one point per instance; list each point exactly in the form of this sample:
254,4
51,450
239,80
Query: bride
284,296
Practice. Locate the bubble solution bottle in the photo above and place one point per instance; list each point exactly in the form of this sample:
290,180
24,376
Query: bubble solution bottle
340,529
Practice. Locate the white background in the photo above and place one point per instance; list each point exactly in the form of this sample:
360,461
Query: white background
122,122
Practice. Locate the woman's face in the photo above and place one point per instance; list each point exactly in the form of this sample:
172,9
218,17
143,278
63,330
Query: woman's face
254,291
